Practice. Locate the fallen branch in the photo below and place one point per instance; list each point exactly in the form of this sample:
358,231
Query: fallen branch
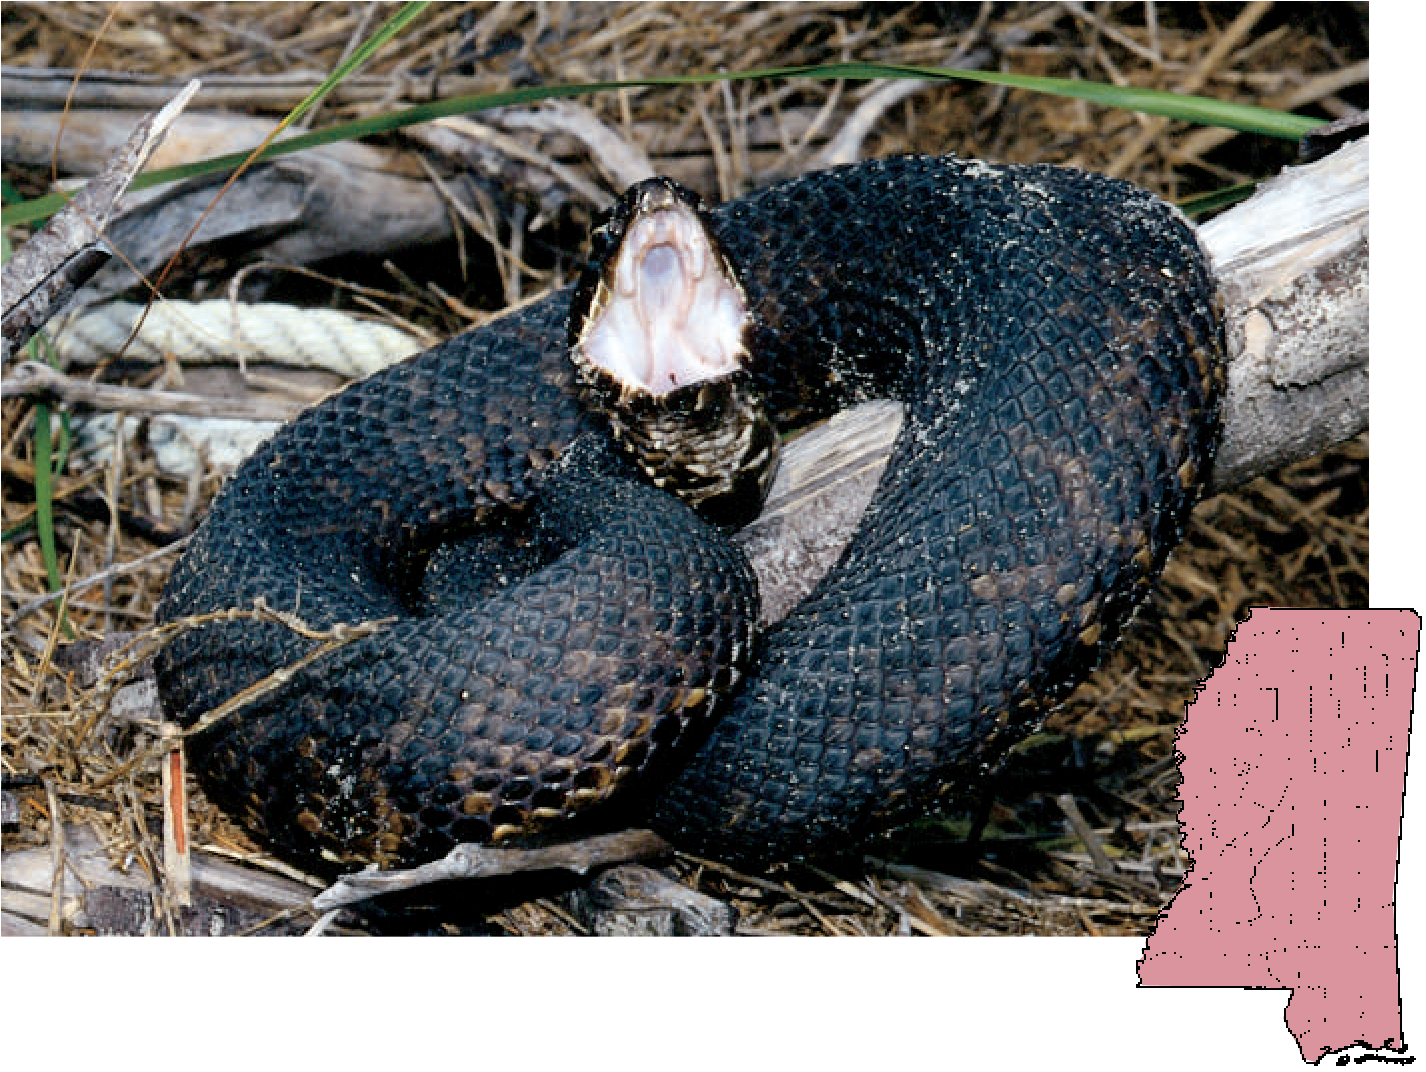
485,861
74,586
46,272
56,87
30,379
94,895
321,203
1293,269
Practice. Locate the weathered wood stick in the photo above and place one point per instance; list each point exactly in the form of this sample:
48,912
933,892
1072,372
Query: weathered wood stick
45,273
33,380
1293,270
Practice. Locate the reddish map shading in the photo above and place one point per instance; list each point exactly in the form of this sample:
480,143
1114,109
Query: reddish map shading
1294,769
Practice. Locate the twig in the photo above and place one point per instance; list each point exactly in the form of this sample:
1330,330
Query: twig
177,860
621,161
45,272
339,636
846,146
1082,830
56,857
1117,36
1226,43
979,890
485,225
49,87
34,380
323,924
116,570
873,897
827,924
722,168
78,499
750,880
358,34
513,148
484,861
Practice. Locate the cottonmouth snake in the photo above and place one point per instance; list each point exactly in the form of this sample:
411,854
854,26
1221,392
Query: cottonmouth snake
1054,337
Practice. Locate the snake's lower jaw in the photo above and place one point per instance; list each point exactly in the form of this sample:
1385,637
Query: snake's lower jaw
659,338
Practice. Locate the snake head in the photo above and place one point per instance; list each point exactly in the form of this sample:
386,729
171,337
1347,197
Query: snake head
659,330
661,307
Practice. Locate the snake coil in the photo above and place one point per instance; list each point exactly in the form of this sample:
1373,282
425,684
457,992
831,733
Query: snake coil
1055,340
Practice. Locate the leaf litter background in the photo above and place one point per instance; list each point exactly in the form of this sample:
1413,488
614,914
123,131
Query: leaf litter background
1296,538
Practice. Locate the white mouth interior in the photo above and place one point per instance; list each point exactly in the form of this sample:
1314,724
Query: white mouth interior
673,317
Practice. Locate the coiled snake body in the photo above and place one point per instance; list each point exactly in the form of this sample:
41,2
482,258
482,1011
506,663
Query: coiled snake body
1054,338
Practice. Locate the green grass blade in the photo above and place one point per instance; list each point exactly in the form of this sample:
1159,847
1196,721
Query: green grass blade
1206,111
44,509
1203,110
1216,199
360,55
47,470
44,494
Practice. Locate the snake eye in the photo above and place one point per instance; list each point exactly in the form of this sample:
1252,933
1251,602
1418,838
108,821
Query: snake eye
603,241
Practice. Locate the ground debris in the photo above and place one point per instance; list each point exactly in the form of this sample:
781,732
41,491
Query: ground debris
1011,865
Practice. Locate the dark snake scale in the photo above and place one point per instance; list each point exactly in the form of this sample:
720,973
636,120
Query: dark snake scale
1054,338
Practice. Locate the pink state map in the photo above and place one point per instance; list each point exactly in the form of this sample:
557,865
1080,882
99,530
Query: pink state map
1294,770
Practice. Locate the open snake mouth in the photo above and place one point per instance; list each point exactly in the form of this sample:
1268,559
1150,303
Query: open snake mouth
667,310
659,330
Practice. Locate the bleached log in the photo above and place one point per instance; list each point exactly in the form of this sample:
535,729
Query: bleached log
1293,271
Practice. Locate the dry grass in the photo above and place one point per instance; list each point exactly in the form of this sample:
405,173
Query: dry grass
1298,538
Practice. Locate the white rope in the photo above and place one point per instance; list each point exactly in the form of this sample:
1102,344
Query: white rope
216,332
219,330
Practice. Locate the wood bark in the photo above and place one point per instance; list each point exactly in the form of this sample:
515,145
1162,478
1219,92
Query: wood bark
1293,270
